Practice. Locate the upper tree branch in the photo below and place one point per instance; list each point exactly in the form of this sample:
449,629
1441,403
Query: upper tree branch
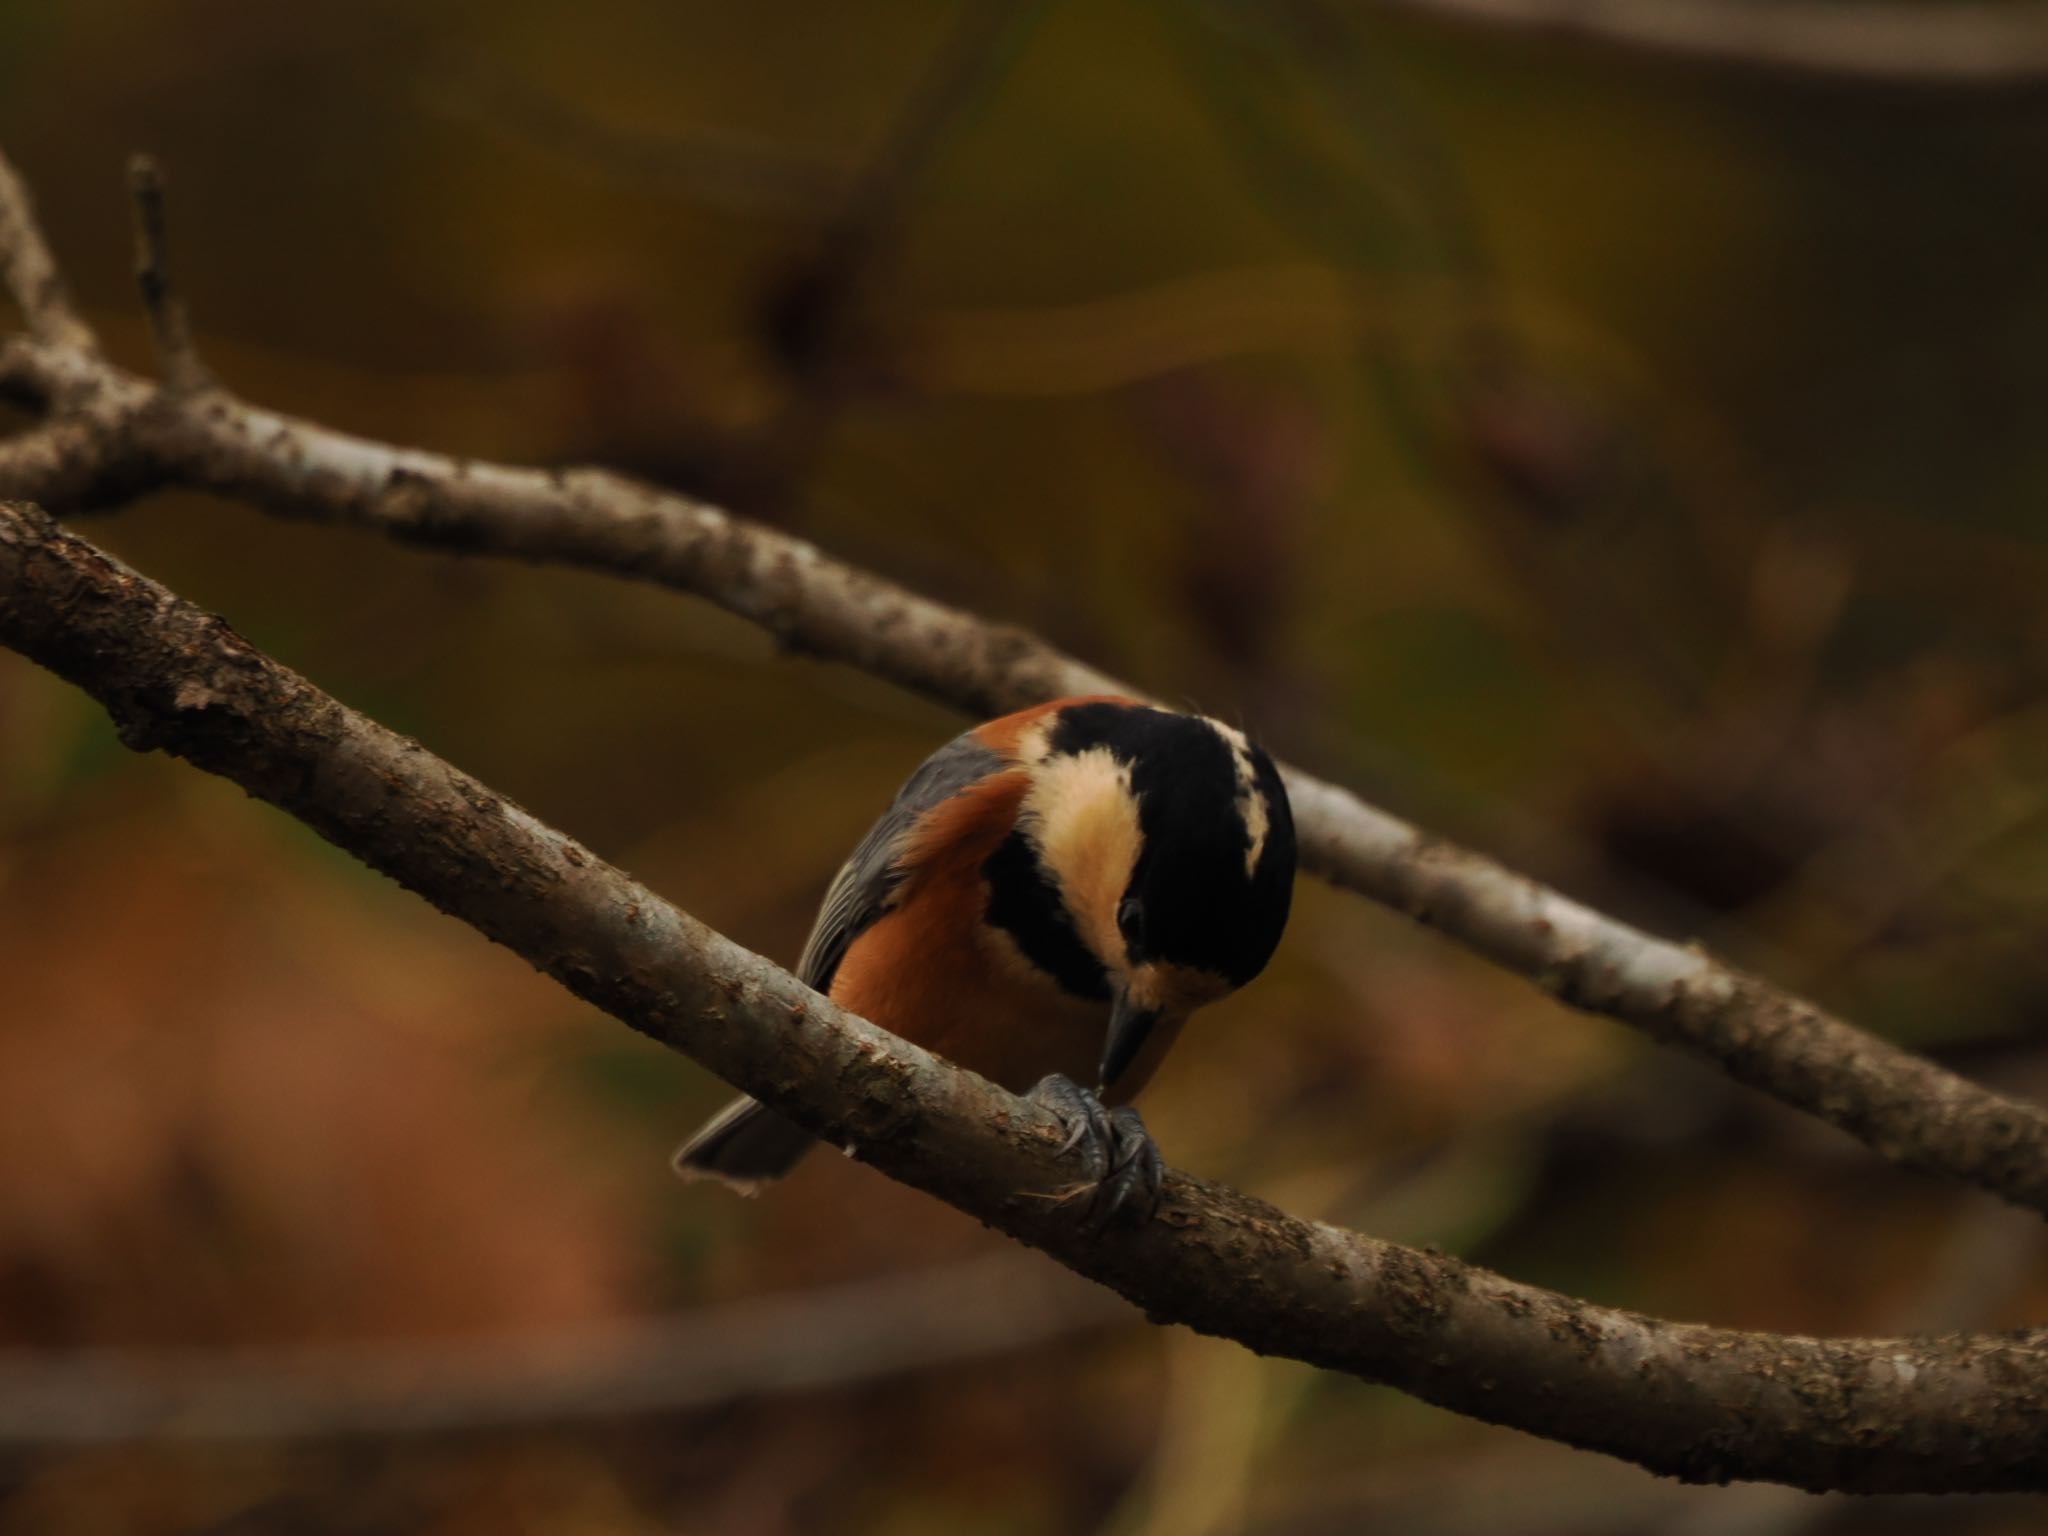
1896,42
120,434
1936,1414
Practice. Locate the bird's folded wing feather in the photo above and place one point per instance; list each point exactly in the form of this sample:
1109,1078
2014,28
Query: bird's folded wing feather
866,884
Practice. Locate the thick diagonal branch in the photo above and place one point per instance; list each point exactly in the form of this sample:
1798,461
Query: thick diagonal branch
1960,1412
120,434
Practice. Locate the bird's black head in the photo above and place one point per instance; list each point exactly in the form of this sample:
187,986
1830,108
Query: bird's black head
1213,875
1170,841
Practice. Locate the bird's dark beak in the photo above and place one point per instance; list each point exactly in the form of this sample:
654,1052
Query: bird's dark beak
1128,1027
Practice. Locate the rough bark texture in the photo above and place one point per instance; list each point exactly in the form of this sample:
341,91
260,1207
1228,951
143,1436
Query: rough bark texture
1950,1413
111,435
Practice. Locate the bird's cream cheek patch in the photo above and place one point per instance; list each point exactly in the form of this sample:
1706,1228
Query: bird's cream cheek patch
1087,826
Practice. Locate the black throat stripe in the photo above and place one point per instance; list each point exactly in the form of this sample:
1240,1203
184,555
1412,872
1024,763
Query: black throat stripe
1024,903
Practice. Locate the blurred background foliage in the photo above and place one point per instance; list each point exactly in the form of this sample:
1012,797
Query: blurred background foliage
1634,469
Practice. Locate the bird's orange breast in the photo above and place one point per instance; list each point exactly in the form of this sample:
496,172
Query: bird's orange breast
933,972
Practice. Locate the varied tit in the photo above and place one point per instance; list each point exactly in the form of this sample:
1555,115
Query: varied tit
1047,900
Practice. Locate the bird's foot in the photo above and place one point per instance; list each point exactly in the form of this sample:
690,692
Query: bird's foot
1124,1168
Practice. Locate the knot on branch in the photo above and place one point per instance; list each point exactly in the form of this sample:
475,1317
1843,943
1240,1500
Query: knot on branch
191,714
415,506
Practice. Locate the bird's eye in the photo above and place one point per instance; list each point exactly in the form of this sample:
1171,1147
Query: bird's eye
1130,920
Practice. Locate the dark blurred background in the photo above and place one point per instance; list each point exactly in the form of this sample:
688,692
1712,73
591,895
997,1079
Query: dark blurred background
1630,466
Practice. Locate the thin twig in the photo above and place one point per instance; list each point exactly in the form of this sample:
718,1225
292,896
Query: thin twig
1899,1104
170,329
1957,1412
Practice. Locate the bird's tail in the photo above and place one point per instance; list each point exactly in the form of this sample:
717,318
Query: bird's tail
745,1145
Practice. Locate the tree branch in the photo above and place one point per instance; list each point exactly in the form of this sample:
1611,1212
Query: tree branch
1936,1414
131,436
30,272
176,353
1894,42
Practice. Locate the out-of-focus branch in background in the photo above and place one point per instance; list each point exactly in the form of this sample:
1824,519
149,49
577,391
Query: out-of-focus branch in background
1892,42
837,1336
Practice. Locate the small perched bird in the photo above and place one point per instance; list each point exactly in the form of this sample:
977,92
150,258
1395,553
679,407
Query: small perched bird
1046,901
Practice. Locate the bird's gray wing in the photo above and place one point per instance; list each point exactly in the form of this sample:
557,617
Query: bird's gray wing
748,1143
866,884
